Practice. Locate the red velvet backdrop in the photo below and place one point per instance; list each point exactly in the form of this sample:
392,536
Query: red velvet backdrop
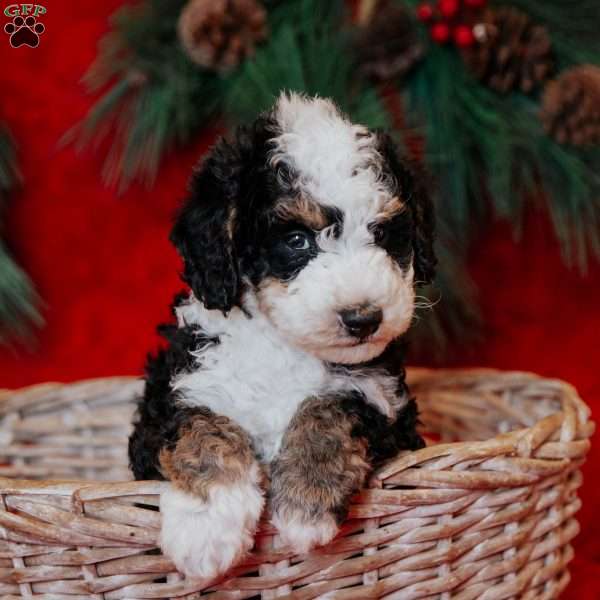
106,272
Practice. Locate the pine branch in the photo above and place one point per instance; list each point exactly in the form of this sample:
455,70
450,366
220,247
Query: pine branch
574,27
489,153
490,157
154,97
309,52
18,299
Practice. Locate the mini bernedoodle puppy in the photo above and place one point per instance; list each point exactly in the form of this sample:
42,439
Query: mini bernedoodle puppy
303,240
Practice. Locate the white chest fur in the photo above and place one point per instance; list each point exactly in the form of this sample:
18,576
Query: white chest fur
255,378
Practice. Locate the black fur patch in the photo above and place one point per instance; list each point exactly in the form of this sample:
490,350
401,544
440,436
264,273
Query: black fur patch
335,217
384,439
283,262
391,361
395,236
411,182
215,230
160,416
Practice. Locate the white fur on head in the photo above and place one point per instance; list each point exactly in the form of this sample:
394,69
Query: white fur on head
205,538
336,161
337,164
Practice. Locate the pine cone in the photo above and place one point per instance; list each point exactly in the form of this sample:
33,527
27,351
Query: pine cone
219,34
388,46
571,107
512,51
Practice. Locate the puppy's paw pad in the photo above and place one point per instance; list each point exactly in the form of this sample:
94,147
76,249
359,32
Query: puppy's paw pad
302,535
205,539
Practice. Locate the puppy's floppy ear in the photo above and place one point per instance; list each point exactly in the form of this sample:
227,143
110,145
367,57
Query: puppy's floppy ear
205,229
411,180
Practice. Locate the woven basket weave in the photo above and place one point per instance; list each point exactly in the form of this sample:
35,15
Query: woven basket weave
485,511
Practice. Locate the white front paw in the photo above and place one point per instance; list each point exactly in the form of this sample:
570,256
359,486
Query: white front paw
205,538
302,535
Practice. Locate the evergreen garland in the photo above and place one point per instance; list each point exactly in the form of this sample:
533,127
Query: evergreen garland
489,153
154,97
306,52
18,299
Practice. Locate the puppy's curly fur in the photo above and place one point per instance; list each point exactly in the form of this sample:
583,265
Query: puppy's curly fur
303,240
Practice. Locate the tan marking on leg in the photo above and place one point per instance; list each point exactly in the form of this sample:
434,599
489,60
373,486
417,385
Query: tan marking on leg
211,511
211,450
320,466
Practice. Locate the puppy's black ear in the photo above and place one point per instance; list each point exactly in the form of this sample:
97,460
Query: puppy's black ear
205,230
411,181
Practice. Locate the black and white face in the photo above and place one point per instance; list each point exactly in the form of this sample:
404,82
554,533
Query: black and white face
337,291
326,232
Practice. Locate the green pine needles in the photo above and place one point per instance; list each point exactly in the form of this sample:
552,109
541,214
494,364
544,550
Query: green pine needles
18,299
489,154
307,52
154,99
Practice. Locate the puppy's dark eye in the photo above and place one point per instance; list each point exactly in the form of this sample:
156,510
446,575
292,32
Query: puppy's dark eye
380,234
297,241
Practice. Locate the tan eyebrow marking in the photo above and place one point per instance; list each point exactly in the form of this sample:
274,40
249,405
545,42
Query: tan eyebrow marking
393,208
304,210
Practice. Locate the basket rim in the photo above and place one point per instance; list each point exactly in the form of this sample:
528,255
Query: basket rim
44,386
573,419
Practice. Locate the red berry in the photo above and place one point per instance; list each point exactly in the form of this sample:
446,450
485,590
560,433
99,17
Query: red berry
463,36
475,3
424,12
449,8
440,33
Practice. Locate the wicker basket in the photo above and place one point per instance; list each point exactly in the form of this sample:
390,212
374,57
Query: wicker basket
486,511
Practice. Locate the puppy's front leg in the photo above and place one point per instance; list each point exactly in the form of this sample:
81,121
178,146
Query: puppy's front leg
321,464
210,514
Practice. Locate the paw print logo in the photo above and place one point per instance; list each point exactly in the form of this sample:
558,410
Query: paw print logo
24,31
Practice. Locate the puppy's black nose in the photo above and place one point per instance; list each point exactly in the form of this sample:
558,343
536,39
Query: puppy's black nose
361,322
